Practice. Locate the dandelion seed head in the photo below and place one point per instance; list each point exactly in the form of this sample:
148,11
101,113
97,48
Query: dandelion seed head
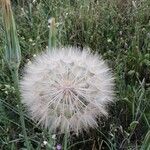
67,89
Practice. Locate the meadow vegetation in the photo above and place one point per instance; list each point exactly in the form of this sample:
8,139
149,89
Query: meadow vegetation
119,30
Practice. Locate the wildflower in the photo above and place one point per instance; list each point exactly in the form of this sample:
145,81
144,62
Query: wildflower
45,142
33,44
67,90
29,62
38,37
34,55
22,9
148,35
120,32
109,40
30,40
34,1
58,147
49,20
54,136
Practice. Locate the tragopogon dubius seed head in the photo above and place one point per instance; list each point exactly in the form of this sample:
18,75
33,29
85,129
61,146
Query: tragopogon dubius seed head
67,89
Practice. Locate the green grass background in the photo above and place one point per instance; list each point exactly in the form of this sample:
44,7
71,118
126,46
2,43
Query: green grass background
119,30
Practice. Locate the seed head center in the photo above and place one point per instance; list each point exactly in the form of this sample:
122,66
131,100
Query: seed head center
67,87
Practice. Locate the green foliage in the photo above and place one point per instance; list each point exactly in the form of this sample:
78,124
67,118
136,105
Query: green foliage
146,142
120,31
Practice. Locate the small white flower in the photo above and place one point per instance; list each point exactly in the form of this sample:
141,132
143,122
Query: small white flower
120,32
6,92
38,37
33,44
67,89
54,136
148,35
30,40
22,38
109,40
45,142
29,62
50,20
22,9
34,1
34,55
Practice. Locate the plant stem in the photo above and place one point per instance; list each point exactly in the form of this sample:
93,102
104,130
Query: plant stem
65,140
14,73
52,34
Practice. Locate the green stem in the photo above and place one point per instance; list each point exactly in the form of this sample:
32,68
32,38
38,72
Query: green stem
65,140
14,73
52,34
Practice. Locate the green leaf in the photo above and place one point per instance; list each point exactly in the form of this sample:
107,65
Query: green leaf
133,125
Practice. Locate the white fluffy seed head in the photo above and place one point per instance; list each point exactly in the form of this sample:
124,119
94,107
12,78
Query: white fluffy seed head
67,89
